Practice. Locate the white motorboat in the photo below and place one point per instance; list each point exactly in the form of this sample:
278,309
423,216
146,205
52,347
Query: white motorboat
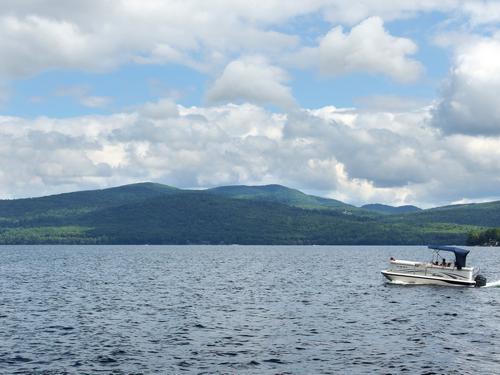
436,272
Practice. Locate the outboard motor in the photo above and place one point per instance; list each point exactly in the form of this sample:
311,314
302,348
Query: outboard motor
480,280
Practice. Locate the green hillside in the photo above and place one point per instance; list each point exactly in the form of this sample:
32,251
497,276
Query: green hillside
64,205
280,194
197,217
390,210
478,214
272,214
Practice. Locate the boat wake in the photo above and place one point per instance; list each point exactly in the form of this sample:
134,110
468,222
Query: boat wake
493,284
397,282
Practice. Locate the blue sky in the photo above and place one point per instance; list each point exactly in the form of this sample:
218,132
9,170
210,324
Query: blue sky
127,86
130,84
381,101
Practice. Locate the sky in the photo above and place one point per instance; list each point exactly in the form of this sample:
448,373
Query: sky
363,101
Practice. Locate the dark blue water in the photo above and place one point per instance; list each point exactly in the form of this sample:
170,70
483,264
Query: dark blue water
238,310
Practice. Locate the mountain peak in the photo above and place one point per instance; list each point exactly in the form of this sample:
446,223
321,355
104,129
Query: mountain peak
279,194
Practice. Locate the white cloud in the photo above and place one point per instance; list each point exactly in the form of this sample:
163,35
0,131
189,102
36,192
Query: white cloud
478,12
160,109
94,35
469,102
36,36
353,12
347,154
482,11
368,47
252,79
34,44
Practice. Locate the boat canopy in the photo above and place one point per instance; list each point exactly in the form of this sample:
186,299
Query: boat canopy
460,254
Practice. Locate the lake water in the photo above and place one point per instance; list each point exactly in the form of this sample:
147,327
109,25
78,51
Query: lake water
238,310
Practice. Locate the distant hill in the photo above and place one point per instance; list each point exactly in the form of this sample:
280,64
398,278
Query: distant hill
479,214
204,218
280,194
82,200
391,210
271,214
200,217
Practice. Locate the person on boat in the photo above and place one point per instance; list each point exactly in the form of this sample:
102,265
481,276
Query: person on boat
443,263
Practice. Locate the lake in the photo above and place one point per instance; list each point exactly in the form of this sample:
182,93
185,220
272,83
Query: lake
239,310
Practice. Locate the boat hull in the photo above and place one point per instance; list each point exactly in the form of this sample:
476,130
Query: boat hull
413,279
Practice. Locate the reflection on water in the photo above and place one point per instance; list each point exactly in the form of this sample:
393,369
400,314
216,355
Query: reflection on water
235,309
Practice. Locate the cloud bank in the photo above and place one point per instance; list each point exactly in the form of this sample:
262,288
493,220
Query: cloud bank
353,155
469,103
99,35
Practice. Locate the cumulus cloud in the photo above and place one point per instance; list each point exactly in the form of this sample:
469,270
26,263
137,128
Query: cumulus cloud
354,12
482,12
357,156
99,35
368,47
162,108
34,44
478,12
469,102
252,79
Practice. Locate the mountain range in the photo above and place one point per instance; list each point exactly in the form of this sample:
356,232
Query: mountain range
150,213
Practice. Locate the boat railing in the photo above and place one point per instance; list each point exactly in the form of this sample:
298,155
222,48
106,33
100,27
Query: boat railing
423,266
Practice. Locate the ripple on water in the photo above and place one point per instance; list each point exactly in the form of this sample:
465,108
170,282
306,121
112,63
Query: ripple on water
256,310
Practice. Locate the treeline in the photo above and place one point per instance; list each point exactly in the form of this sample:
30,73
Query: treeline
48,235
488,237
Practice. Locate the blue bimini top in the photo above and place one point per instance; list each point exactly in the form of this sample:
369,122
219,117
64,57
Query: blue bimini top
460,254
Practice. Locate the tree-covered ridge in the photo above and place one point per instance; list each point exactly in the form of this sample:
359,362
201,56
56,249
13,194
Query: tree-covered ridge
64,204
477,214
196,217
280,194
391,210
272,214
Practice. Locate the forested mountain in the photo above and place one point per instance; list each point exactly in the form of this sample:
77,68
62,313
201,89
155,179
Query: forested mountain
272,214
280,194
479,214
62,204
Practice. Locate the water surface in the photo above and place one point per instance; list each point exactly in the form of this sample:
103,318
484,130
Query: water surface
238,309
